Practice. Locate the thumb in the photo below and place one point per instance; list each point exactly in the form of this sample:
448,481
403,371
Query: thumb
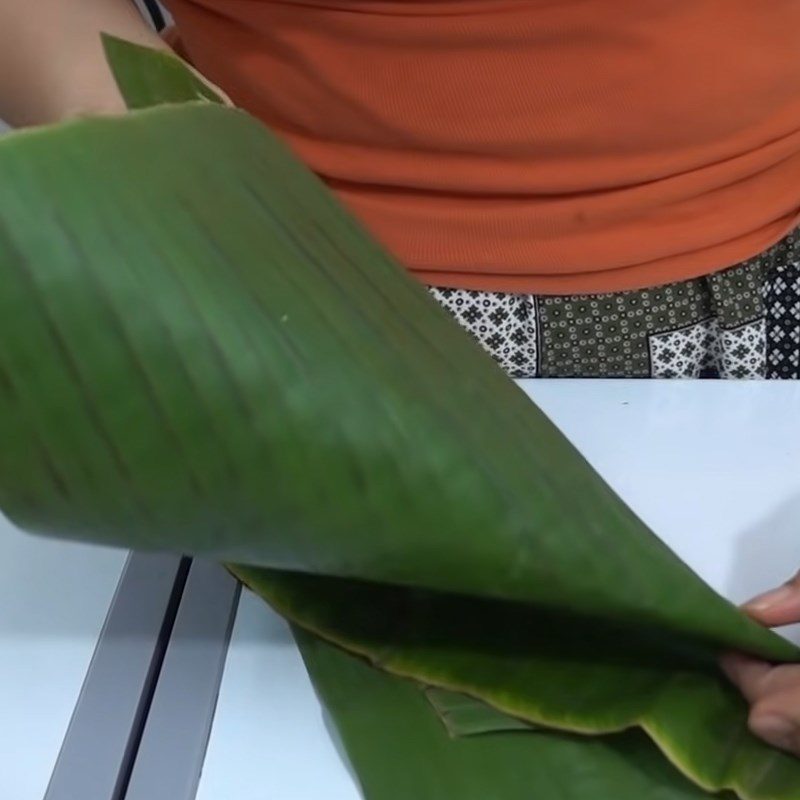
780,606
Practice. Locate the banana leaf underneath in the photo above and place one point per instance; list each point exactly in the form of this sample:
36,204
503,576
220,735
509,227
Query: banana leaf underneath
400,749
521,668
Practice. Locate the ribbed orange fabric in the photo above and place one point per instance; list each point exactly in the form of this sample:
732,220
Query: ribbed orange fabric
547,146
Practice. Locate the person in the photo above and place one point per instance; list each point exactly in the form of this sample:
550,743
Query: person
603,188
772,691
598,188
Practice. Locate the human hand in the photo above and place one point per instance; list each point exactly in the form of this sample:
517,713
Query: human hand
772,691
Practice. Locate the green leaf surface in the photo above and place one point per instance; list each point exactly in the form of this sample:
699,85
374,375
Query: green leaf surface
400,750
201,351
148,78
215,358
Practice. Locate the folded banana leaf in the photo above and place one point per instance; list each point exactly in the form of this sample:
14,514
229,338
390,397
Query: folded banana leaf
400,751
201,351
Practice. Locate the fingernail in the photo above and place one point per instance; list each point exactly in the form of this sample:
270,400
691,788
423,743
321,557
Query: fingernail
775,730
768,600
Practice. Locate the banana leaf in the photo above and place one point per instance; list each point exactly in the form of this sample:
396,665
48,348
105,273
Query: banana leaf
202,351
400,751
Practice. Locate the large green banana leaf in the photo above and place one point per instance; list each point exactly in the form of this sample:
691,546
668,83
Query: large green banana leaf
201,351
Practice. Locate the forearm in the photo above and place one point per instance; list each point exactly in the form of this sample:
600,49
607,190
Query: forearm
51,59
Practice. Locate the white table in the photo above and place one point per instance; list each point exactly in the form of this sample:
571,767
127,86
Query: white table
711,466
54,598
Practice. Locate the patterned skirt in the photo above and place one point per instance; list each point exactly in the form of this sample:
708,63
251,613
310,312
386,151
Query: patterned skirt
743,322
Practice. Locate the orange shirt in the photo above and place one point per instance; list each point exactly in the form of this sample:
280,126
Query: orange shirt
547,146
